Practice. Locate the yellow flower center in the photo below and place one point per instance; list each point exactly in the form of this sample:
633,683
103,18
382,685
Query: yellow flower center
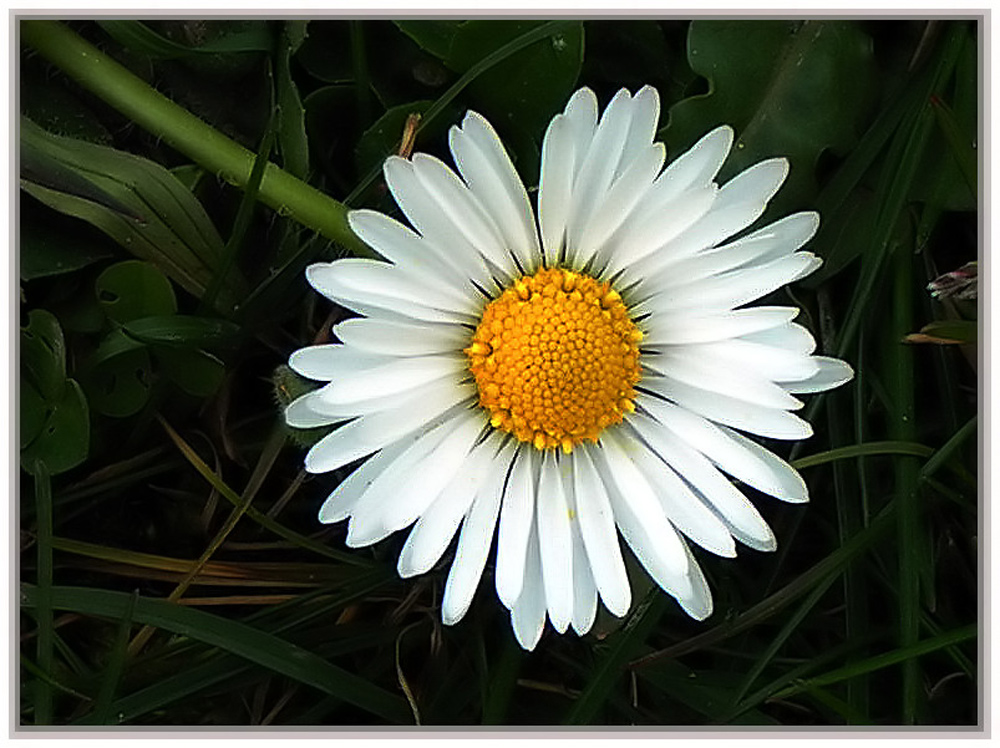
556,359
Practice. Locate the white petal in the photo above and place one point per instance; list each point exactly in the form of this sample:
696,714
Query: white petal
832,373
373,431
696,167
394,500
683,364
642,128
791,337
527,616
702,327
598,168
741,458
729,504
755,419
698,602
475,541
346,283
555,188
756,185
616,207
401,246
768,243
681,506
581,116
599,536
341,502
390,338
432,533
516,518
425,215
487,169
465,215
301,414
392,377
555,543
584,591
770,362
640,516
331,361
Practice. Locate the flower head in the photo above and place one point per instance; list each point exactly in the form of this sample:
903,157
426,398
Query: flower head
563,384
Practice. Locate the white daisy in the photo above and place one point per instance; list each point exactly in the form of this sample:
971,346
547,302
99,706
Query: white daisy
564,383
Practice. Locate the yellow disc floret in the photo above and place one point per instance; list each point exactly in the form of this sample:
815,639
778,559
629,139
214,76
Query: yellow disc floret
556,359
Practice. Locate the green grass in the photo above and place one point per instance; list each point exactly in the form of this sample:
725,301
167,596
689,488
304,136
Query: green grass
177,574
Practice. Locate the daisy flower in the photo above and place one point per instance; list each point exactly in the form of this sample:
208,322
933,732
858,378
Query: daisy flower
571,383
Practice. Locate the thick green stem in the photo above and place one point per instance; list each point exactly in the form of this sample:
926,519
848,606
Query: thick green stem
177,127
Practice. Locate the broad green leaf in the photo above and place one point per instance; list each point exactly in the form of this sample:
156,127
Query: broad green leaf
56,108
120,385
137,202
788,88
248,642
46,249
139,37
527,88
43,354
33,412
291,120
134,289
64,440
432,36
326,52
197,372
383,138
181,330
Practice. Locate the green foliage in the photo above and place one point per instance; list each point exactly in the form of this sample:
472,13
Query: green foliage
159,304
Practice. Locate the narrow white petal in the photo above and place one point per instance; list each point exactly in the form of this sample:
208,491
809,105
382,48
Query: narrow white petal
584,590
696,167
741,458
426,216
679,329
599,536
791,337
372,299
681,506
639,514
755,419
683,364
390,338
775,240
642,128
341,502
405,248
394,500
462,210
516,518
434,391
373,431
771,362
487,169
598,168
616,208
581,116
331,361
527,615
555,544
729,504
301,413
474,541
757,185
698,602
555,186
396,375
432,533
832,373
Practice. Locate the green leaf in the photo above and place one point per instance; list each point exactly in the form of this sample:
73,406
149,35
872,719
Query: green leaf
326,52
432,36
181,330
953,331
383,138
258,646
292,139
197,372
788,88
120,385
33,412
133,289
46,249
139,37
524,90
43,354
64,440
137,202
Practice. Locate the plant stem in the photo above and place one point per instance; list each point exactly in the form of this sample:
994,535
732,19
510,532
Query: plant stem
182,130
